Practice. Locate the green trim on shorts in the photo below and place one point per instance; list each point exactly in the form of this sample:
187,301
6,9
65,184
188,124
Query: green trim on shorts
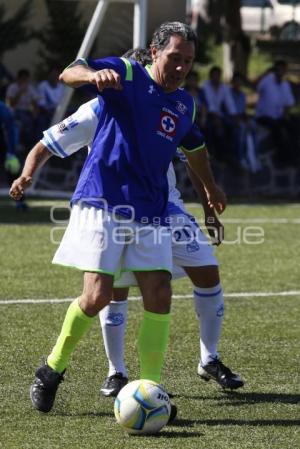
129,74
202,147
132,270
87,270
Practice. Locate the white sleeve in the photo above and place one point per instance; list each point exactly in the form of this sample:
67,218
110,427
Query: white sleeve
74,132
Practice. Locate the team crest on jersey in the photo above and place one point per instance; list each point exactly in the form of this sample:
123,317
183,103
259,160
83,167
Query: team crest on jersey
181,107
151,89
167,124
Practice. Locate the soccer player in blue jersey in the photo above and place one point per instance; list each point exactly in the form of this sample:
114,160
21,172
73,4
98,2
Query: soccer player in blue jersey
145,118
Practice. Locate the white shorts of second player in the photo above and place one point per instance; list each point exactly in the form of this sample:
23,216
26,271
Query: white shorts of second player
95,241
190,248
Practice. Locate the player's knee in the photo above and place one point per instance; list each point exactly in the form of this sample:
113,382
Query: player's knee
91,303
161,297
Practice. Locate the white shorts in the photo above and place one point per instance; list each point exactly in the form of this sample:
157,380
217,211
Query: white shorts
94,241
190,248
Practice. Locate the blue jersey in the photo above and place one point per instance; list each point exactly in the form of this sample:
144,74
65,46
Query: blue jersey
138,133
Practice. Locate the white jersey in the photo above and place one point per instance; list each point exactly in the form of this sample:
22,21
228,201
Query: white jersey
78,131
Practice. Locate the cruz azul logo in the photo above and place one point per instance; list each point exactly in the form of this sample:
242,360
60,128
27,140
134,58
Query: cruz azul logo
167,124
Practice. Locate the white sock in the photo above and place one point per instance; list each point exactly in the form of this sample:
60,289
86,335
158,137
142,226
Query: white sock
113,319
209,306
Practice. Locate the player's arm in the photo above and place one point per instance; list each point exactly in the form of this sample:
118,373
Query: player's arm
62,140
214,227
199,162
194,148
36,158
80,72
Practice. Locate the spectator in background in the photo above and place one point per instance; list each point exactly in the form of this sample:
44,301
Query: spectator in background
9,138
192,86
22,98
221,116
50,93
272,111
5,78
244,133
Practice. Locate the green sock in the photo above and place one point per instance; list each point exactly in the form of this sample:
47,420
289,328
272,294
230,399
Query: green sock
76,323
152,344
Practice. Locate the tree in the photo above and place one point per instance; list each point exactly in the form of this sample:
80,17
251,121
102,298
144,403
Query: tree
238,41
14,30
62,36
222,22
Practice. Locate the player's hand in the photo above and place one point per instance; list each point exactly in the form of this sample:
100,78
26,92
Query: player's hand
106,78
216,198
19,186
214,228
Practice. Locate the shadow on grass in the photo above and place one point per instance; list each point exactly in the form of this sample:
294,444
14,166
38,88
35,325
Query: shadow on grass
238,398
88,414
180,434
238,422
234,398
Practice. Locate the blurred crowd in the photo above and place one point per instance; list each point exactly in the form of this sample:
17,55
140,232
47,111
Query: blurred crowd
26,109
235,136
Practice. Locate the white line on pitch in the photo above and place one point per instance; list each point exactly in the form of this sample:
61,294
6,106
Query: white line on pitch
135,298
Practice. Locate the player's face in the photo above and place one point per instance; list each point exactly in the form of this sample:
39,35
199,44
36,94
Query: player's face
173,63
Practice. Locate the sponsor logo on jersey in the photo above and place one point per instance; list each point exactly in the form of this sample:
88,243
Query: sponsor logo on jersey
181,107
115,319
64,126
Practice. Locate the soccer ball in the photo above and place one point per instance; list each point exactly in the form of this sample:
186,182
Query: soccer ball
142,407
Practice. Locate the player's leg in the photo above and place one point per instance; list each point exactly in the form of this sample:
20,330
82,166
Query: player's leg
78,249
209,306
149,256
78,319
192,251
154,330
113,320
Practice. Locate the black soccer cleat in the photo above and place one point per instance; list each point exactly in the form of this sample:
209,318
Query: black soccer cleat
44,387
113,384
173,414
217,371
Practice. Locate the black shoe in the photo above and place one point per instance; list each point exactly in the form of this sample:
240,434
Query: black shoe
44,387
221,374
173,414
113,384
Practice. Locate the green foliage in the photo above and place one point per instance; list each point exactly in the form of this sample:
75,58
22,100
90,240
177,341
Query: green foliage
61,38
14,30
